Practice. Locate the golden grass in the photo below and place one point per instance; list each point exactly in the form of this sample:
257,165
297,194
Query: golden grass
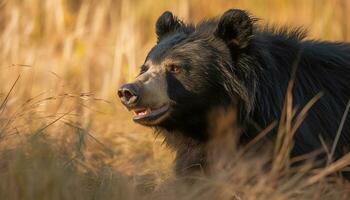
63,134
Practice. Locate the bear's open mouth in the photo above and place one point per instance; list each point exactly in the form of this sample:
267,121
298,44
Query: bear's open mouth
148,115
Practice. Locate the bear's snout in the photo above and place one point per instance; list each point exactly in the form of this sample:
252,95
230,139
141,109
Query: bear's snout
129,94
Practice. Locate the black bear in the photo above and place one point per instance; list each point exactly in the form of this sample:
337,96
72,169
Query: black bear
233,62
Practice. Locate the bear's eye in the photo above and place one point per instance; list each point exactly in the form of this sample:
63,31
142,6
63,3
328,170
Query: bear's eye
174,68
144,69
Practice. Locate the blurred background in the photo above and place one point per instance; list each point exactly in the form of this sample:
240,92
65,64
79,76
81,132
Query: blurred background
94,45
61,62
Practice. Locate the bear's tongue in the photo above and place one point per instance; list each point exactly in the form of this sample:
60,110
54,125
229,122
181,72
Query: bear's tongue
148,112
142,111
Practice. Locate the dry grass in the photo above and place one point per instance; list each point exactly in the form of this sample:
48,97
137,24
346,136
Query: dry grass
63,134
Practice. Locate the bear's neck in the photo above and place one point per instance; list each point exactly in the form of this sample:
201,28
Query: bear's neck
276,61
192,126
319,67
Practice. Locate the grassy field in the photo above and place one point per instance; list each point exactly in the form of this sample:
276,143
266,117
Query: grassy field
64,134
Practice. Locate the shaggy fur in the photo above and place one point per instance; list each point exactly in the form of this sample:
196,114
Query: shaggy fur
231,62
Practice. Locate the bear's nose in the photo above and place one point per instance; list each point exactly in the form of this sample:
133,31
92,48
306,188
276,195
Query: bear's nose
128,94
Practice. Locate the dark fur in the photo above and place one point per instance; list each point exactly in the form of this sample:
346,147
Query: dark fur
232,62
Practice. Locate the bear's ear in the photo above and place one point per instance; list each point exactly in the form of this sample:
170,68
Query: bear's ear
167,23
235,27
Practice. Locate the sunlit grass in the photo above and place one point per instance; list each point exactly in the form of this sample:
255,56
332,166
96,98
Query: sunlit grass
63,134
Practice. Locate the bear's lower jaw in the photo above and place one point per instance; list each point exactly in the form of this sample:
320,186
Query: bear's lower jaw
151,116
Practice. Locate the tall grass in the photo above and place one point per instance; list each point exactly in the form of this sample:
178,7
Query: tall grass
64,136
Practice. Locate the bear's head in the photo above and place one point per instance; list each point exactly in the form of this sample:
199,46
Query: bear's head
191,70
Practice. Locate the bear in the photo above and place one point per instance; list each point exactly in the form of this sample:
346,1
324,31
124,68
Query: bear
233,62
